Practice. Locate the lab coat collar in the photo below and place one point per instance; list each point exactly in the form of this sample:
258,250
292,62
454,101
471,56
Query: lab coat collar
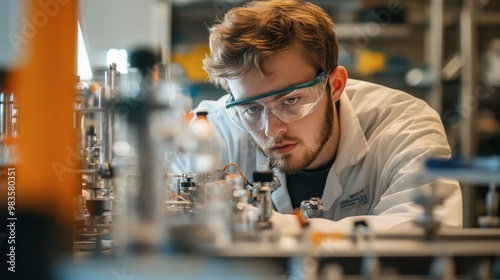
281,198
353,147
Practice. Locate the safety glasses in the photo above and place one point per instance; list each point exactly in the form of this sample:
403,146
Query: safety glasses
288,104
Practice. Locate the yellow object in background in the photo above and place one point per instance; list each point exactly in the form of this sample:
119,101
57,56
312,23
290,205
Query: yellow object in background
369,62
192,61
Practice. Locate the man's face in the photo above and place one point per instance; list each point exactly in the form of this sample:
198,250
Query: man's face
296,145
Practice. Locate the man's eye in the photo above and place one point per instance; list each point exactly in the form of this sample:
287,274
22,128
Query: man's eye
291,101
252,109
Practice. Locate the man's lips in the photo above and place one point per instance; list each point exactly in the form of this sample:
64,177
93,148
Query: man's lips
283,148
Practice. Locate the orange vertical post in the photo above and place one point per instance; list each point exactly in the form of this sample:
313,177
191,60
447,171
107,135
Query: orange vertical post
44,85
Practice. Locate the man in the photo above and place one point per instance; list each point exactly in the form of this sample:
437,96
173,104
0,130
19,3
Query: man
357,145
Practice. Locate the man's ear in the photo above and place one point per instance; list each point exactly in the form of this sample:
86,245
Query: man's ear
337,80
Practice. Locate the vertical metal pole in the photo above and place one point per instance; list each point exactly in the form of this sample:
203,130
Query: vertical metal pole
467,99
468,52
436,54
164,14
469,77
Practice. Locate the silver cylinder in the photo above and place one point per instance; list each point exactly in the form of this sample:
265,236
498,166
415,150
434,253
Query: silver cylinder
3,130
107,116
7,120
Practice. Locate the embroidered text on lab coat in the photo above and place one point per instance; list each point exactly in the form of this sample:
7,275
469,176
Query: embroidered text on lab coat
356,198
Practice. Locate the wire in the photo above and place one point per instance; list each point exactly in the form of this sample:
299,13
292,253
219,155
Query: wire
176,195
239,170
272,165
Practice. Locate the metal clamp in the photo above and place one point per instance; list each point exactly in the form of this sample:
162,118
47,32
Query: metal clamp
313,208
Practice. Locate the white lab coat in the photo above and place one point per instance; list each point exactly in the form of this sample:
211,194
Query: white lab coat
385,136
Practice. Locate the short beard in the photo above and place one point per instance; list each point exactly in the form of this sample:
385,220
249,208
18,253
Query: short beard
325,132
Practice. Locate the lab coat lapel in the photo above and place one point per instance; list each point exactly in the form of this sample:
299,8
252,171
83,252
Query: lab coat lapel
281,198
353,147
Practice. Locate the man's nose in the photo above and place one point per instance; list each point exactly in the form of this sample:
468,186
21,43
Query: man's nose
273,125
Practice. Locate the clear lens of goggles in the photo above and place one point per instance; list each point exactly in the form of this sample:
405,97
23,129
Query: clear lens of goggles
288,107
